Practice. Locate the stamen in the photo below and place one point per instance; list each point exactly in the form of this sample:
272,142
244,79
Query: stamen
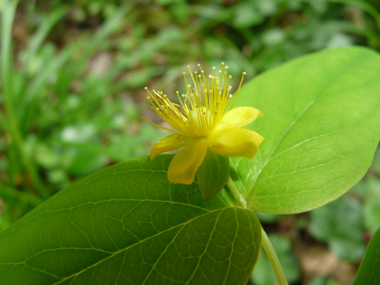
201,108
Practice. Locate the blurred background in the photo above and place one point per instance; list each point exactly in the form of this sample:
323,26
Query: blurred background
71,98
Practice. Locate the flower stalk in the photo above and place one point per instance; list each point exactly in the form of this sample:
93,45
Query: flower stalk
271,253
237,198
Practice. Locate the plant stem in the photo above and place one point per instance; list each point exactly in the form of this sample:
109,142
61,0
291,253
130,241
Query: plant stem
236,197
265,242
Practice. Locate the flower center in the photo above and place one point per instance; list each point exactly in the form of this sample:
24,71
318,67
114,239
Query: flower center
203,106
202,119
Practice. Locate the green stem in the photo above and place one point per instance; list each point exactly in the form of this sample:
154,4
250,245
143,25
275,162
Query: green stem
9,8
236,197
265,242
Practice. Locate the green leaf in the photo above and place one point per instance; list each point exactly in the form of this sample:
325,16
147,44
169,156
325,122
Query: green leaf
213,174
369,270
127,224
321,127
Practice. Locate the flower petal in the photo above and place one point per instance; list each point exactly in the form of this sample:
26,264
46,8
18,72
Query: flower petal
186,162
235,142
239,117
169,143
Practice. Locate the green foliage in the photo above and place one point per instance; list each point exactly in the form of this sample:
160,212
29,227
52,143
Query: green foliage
369,271
321,129
64,113
81,63
127,224
369,190
340,224
78,67
213,174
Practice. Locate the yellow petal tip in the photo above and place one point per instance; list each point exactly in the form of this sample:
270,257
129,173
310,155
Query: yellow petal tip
179,181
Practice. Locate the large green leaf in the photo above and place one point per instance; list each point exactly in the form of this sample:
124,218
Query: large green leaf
127,224
321,127
369,270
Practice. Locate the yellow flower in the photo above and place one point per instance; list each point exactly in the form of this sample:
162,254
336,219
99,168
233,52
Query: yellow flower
202,120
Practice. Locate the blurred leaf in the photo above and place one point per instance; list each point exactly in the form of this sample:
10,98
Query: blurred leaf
10,193
369,270
211,12
268,218
268,7
167,2
45,156
273,37
319,281
58,177
83,132
340,224
246,16
6,219
85,163
321,128
128,224
376,161
361,188
39,36
369,190
371,205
